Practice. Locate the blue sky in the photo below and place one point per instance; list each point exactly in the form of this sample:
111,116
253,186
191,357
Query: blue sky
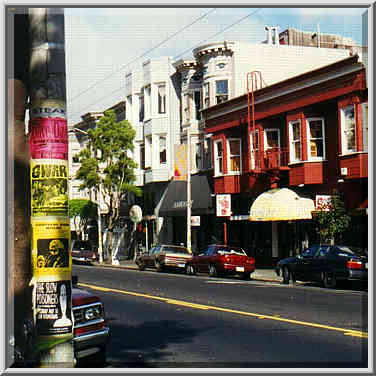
102,44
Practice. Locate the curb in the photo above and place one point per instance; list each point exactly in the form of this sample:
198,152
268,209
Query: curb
134,267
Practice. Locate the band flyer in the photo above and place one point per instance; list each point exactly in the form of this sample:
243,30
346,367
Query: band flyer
49,187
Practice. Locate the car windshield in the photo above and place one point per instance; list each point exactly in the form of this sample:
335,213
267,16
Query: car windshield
228,251
176,250
81,245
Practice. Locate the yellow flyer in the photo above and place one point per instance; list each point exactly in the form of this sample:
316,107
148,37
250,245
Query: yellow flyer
50,248
49,187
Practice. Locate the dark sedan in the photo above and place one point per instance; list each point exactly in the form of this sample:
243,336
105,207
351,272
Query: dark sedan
326,264
162,257
222,259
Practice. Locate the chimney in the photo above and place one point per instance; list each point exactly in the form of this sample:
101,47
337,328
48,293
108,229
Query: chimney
272,36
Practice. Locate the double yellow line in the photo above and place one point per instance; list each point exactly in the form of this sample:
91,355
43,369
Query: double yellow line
346,332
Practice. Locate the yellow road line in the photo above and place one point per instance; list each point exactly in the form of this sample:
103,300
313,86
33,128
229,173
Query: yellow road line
347,332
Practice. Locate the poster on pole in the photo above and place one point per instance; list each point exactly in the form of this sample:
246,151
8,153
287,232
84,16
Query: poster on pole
180,162
50,248
49,187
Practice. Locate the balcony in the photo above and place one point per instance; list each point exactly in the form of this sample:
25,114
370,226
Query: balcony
274,159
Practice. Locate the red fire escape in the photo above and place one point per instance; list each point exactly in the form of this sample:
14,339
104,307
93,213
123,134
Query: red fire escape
271,161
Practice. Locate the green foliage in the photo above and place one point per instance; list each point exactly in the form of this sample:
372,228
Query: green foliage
332,220
82,208
105,165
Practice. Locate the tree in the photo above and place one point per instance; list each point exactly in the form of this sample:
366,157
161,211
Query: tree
332,219
106,168
81,211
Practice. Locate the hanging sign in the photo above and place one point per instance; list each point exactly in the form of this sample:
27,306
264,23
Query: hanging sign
323,202
195,220
223,205
135,214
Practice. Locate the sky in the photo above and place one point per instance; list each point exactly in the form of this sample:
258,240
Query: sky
102,44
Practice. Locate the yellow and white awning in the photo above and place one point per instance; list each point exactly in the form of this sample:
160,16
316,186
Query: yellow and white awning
281,204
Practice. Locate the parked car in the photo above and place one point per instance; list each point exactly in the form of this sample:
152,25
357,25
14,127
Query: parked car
82,251
162,257
91,331
222,259
326,264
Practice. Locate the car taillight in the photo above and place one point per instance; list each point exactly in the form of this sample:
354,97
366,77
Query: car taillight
89,328
353,264
250,261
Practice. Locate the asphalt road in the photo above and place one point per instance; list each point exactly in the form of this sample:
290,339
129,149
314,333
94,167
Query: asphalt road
173,320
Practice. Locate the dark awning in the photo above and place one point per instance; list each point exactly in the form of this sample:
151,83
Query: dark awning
175,201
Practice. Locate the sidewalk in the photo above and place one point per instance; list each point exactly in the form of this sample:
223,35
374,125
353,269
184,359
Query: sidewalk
265,275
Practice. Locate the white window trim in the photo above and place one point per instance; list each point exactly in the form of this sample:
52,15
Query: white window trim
344,149
266,130
293,158
364,128
309,158
163,164
216,169
162,84
230,172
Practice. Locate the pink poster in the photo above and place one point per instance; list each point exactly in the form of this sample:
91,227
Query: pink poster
48,138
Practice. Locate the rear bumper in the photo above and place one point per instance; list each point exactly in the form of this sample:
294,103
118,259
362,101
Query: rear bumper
358,275
231,268
90,343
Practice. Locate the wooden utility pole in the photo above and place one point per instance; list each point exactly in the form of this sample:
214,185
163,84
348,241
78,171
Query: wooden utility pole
50,225
18,192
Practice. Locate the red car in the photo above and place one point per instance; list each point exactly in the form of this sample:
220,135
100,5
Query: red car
222,259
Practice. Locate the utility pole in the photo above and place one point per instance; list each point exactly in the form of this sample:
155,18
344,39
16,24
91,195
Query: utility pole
18,330
50,225
189,191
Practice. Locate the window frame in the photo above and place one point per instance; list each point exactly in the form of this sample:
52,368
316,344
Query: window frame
254,151
309,156
230,156
206,94
160,151
344,136
218,160
162,104
141,110
365,126
218,97
293,142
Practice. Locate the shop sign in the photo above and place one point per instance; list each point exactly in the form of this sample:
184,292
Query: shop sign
223,205
323,202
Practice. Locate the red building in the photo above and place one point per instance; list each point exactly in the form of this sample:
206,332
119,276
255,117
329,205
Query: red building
308,134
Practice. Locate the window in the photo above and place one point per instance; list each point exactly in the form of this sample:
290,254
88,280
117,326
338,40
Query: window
148,151
365,125
295,141
348,129
162,99
221,92
199,147
142,156
142,108
271,138
129,107
197,100
148,111
218,150
206,95
234,155
315,139
162,150
255,149
187,107
208,153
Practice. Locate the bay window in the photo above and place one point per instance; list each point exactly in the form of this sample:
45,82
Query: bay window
234,161
162,150
187,107
221,91
218,158
315,139
348,129
295,141
141,114
206,95
162,98
197,100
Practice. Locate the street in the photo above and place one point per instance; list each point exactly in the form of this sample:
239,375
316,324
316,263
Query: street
174,320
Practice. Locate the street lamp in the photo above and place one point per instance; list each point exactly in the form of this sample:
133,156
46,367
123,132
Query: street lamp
100,248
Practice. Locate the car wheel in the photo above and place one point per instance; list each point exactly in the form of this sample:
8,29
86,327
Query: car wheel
246,276
190,269
158,266
212,271
141,265
96,360
329,279
286,275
